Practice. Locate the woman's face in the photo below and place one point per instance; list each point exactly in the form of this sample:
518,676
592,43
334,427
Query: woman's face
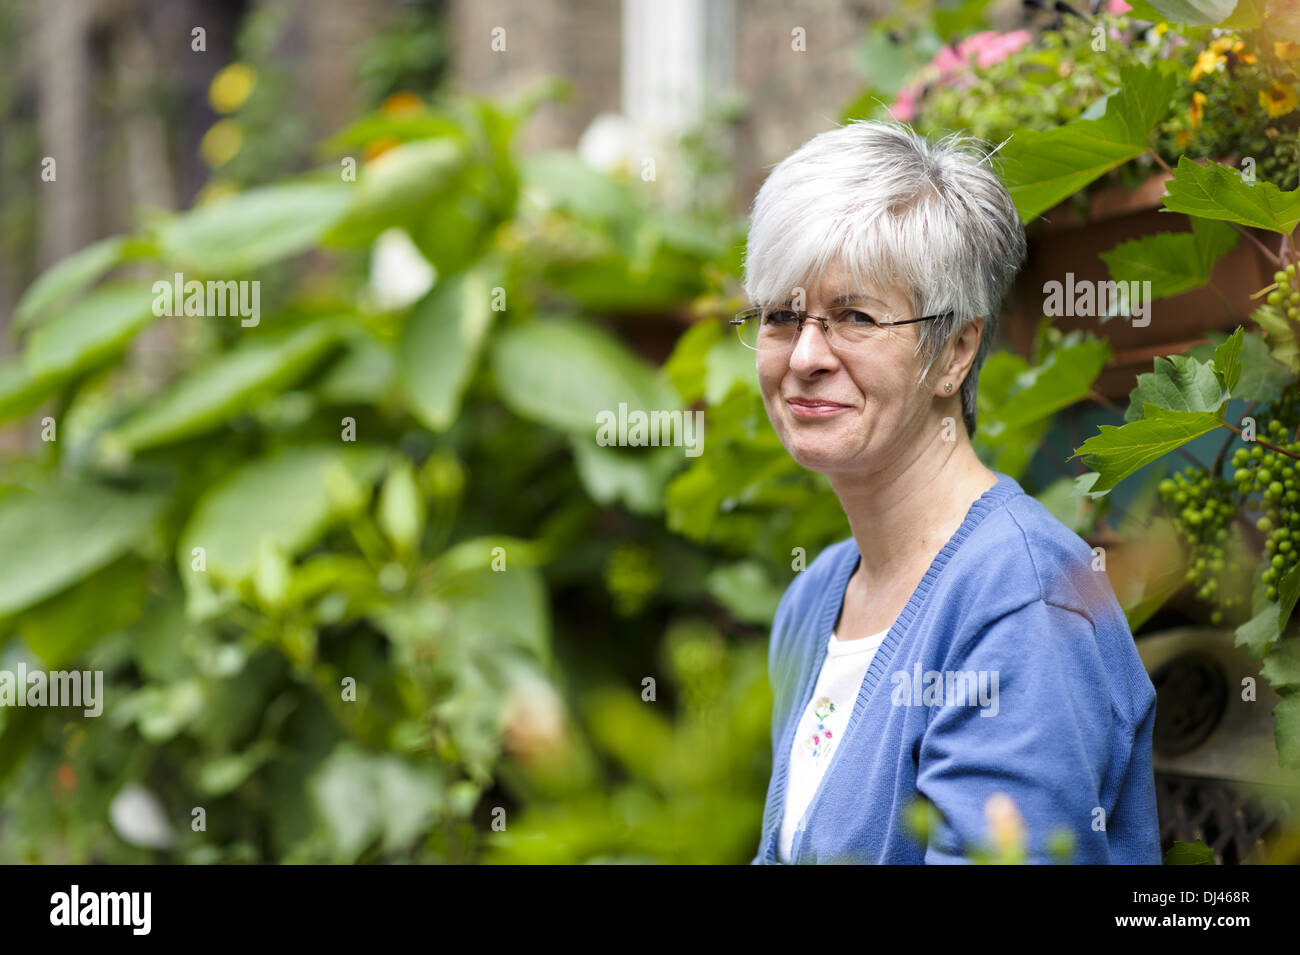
847,410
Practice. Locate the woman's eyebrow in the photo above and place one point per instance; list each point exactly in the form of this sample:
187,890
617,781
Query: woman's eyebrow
853,297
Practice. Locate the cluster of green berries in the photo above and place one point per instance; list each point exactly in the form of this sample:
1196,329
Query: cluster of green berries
1274,478
1287,294
1202,508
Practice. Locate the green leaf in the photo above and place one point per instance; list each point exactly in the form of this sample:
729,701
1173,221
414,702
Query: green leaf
401,507
1260,632
1282,343
1064,378
1173,262
1189,853
564,374
363,374
396,187
228,385
66,276
1282,665
1262,378
281,499
254,229
746,590
1215,191
505,605
634,477
90,332
1286,730
1227,360
362,799
562,180
1178,383
1043,167
1195,13
20,390
65,625
441,344
53,537
1117,452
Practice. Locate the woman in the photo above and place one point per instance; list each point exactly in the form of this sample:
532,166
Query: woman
960,646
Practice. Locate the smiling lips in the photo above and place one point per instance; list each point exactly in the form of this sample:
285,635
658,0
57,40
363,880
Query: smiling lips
814,407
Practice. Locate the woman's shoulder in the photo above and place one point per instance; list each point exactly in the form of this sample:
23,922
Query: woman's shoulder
1028,554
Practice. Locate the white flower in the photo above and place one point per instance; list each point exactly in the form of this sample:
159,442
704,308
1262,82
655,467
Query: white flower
139,818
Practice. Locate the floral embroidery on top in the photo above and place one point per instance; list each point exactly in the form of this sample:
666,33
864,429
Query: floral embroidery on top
818,744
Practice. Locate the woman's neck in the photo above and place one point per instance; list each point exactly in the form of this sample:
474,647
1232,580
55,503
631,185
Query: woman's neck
902,515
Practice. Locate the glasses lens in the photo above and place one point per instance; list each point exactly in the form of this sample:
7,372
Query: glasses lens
851,327
770,328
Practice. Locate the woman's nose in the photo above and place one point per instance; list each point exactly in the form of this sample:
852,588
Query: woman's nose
811,349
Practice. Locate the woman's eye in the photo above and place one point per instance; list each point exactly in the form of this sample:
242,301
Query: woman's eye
856,318
780,316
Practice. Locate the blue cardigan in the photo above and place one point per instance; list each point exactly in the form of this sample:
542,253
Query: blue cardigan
1012,609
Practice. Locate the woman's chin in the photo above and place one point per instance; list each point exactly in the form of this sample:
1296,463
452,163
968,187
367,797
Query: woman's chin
818,455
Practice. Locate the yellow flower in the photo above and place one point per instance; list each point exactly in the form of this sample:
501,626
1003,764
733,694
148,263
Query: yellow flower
1278,99
220,143
1209,61
1182,139
231,86
1287,50
402,103
1197,111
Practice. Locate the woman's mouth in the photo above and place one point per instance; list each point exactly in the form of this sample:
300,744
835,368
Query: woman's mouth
814,407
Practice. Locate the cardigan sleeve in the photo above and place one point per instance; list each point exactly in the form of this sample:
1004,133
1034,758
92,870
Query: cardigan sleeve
1044,734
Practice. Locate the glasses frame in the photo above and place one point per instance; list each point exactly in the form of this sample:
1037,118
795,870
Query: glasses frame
756,311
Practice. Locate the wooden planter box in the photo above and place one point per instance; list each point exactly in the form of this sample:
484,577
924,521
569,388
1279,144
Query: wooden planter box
1059,242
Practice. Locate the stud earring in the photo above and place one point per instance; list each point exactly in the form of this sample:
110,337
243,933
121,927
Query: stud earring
948,386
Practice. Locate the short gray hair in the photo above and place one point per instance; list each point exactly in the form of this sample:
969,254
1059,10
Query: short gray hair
930,216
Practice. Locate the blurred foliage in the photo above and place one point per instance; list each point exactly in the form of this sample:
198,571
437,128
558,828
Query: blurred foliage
317,563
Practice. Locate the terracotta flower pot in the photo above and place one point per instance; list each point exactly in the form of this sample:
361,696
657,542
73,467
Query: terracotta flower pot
1060,242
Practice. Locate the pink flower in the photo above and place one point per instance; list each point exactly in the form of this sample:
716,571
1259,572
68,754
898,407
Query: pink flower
904,108
1002,46
1117,7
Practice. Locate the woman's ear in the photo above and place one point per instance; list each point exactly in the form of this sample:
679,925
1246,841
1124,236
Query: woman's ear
965,347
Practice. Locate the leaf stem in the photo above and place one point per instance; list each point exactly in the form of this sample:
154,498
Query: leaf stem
1264,444
1218,458
1258,244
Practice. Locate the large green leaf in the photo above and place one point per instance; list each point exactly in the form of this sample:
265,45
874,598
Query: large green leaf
20,390
53,537
441,343
1260,379
1195,13
282,500
255,228
227,386
1064,378
63,626
361,798
503,602
1117,452
90,332
1043,167
396,188
1173,262
1179,383
66,276
564,374
1215,191
561,179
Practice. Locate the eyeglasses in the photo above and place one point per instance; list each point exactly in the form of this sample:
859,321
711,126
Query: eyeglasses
773,328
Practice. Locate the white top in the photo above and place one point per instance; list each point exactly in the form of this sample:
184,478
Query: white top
822,725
